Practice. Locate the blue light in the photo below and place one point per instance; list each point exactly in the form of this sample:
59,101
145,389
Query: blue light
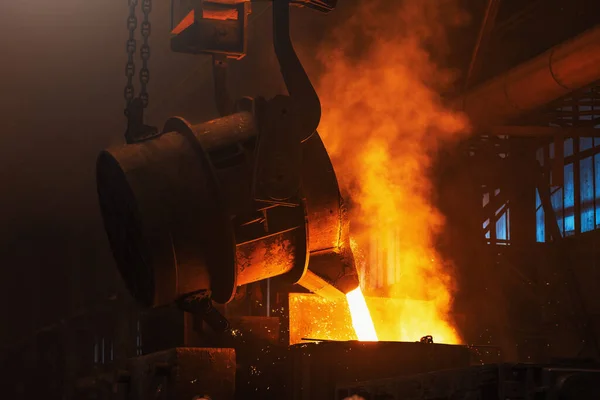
588,222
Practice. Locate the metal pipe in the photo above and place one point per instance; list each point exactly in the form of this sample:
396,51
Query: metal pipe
559,71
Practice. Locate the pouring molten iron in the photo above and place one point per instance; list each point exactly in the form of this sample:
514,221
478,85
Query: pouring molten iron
194,211
181,220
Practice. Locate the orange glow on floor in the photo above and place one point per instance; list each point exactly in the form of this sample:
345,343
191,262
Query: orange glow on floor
407,320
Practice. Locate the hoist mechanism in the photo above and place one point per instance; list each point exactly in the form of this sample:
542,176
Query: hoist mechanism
194,211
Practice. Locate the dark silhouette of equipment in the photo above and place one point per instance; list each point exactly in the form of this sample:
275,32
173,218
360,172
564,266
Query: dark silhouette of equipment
198,210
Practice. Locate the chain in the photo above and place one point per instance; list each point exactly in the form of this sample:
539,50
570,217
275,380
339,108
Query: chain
130,69
131,47
145,51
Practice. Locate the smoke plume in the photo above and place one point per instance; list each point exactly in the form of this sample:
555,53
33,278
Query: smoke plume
383,123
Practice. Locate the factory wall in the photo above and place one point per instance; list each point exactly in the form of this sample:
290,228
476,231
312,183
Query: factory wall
518,287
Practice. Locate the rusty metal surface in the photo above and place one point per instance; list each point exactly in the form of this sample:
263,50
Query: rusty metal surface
329,240
273,256
336,267
219,133
278,162
154,195
323,199
319,286
180,216
557,72
316,369
182,373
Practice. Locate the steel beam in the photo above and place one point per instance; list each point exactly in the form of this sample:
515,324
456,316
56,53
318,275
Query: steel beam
485,33
541,131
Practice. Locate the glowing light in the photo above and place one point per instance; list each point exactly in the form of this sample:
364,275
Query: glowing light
361,317
383,124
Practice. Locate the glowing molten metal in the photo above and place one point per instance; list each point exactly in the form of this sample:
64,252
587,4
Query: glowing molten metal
383,124
361,317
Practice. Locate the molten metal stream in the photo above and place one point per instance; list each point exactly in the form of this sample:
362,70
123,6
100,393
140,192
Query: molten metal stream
361,317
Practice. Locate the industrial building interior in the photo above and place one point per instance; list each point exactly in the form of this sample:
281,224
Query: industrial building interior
401,202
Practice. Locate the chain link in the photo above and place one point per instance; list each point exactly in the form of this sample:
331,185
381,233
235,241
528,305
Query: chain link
129,92
145,51
131,47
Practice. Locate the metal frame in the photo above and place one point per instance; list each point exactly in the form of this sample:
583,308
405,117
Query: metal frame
566,116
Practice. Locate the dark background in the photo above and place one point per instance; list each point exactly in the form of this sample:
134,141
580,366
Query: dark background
60,79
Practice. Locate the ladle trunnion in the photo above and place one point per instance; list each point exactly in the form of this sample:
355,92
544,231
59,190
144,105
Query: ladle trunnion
195,211
181,218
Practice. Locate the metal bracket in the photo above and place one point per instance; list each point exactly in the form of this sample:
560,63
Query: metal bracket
285,121
220,28
213,27
201,305
278,153
305,101
137,131
224,103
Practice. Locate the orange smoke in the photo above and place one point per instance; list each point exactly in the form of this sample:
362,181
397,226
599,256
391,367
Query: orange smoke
382,124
